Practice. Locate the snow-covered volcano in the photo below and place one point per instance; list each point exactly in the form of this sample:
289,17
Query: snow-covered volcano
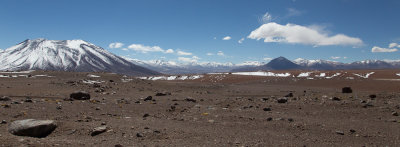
66,55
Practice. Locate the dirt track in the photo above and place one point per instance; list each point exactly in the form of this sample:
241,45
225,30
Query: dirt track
206,112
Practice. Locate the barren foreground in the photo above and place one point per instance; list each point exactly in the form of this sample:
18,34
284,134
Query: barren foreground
215,110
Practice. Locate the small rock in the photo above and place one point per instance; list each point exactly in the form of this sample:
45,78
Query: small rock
6,106
395,114
352,131
336,99
103,123
59,107
98,130
269,119
3,122
80,95
290,119
163,93
149,98
191,100
347,90
139,135
28,100
97,108
282,100
146,115
267,109
15,102
118,145
5,98
340,132
32,127
372,96
289,95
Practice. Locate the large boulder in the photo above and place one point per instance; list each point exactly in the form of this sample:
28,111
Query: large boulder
32,127
80,95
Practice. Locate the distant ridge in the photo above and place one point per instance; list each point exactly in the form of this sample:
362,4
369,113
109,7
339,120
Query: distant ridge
66,55
282,63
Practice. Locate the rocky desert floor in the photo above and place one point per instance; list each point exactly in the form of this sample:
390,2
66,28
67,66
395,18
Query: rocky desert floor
212,110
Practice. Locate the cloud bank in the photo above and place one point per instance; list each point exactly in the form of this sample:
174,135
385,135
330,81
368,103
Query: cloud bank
297,34
393,47
145,49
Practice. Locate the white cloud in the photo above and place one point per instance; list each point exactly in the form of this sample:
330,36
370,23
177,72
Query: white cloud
210,54
125,49
267,59
220,53
169,51
266,18
335,57
182,53
392,48
297,34
293,12
186,59
377,49
227,38
145,49
116,45
393,45
241,40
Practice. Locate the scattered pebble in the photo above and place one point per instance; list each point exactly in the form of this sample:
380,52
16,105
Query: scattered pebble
340,132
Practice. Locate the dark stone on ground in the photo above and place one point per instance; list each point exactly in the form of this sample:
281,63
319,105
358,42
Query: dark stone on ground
267,109
5,98
191,100
149,98
282,100
289,95
139,135
80,95
340,132
347,90
336,99
32,127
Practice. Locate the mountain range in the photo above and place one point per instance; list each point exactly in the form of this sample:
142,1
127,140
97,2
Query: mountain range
82,56
281,63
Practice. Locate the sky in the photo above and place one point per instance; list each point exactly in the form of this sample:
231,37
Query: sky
213,30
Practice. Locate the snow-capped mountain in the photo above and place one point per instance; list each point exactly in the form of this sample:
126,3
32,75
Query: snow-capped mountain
369,64
282,63
66,55
317,64
171,67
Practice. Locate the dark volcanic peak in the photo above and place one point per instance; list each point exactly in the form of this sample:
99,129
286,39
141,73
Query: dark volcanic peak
66,55
281,63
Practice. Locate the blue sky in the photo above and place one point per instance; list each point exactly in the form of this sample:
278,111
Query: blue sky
193,30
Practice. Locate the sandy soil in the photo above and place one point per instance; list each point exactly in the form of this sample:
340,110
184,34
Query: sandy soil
216,110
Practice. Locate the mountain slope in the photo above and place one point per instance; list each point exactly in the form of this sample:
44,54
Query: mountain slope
66,55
